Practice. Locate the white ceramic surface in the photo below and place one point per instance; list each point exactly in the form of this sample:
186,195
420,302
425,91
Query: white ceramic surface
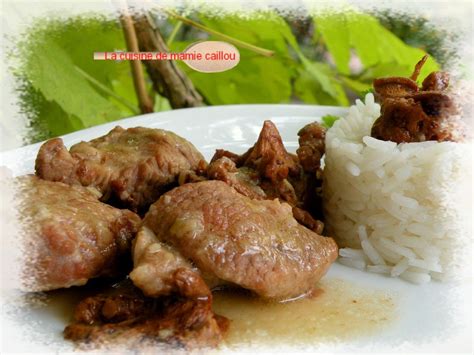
431,317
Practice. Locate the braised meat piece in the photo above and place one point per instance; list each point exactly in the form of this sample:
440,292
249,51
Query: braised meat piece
268,171
312,148
269,157
160,270
310,152
70,236
306,219
436,81
394,87
131,321
245,180
256,244
129,167
411,114
111,308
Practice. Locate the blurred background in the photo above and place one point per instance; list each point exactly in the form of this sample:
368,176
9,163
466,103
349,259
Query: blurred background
326,58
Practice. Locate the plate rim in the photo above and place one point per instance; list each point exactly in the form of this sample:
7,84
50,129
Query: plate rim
177,113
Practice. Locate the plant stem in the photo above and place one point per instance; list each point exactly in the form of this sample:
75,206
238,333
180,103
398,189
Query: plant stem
168,80
237,42
107,90
144,100
174,33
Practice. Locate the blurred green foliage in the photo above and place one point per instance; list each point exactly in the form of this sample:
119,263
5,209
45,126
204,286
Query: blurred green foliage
328,120
328,59
55,96
420,33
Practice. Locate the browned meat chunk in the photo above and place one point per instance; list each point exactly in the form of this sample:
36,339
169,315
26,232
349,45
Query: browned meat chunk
269,157
225,153
130,167
422,117
256,244
110,308
246,181
130,321
305,218
160,270
394,87
70,235
436,81
311,150
409,114
268,171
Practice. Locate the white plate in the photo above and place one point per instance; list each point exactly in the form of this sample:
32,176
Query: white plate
431,317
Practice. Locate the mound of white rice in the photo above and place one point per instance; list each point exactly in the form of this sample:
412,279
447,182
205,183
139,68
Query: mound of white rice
395,209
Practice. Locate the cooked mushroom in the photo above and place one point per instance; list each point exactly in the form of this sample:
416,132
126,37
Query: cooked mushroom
413,114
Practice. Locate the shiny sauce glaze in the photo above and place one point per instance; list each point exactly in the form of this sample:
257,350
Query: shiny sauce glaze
339,310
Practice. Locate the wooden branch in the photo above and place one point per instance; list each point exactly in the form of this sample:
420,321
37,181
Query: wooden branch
144,100
168,80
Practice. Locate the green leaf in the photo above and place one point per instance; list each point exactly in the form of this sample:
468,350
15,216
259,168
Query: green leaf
52,73
59,122
368,91
362,31
256,79
328,120
357,86
80,37
322,77
46,118
122,85
161,104
316,70
309,90
64,101
373,43
264,29
317,75
333,28
384,70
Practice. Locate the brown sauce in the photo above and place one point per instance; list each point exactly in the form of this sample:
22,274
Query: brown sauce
341,311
